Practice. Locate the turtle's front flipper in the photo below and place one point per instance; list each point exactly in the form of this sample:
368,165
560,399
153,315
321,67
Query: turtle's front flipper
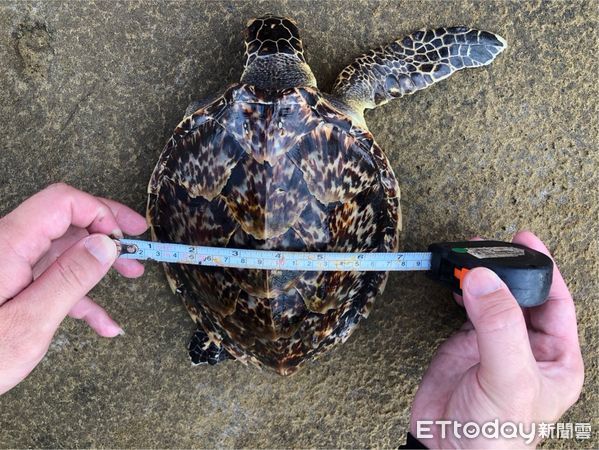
414,63
204,351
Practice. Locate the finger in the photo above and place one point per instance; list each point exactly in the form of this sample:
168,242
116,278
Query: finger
527,238
467,326
57,248
49,298
458,299
96,317
500,329
557,316
129,221
129,268
132,224
27,232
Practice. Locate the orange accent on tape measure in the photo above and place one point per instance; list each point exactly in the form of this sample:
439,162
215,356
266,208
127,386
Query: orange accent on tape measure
460,274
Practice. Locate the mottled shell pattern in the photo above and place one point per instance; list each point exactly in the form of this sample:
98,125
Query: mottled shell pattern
282,170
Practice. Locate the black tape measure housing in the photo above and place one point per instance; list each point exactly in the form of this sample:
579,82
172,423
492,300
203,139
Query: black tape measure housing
527,273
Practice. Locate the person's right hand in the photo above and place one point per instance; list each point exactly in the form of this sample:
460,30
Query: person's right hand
522,366
49,261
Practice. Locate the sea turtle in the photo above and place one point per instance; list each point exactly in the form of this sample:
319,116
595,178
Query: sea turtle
274,163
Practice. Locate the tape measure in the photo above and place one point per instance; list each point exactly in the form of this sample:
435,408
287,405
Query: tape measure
526,272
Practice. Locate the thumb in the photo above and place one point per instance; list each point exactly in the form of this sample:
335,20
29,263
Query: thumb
502,337
50,297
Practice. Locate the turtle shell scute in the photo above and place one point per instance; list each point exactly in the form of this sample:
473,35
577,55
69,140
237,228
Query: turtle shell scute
266,200
334,165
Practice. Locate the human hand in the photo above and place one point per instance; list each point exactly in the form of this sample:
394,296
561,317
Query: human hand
49,261
509,364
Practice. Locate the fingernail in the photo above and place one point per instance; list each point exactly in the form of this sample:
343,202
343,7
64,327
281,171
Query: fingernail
480,282
121,332
117,234
101,247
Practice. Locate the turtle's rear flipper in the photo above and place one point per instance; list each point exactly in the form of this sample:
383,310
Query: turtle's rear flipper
414,63
203,351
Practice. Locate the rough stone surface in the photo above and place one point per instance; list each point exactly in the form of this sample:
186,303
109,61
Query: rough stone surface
89,93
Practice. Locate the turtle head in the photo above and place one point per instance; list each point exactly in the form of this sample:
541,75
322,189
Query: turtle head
274,54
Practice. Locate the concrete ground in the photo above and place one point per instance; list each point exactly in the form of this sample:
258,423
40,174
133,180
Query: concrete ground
89,93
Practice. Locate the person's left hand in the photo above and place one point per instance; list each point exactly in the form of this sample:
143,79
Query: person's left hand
48,264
